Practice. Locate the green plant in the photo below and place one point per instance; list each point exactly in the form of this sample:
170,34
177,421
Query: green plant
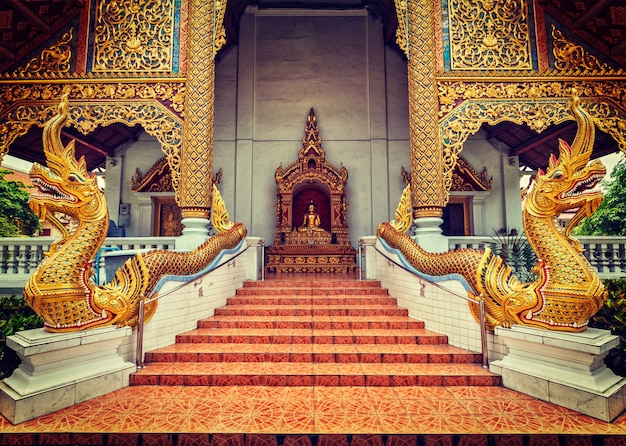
17,217
15,315
610,217
612,316
514,248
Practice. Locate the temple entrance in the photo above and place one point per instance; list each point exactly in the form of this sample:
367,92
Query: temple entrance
311,213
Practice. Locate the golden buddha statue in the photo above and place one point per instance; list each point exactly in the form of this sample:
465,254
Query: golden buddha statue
311,220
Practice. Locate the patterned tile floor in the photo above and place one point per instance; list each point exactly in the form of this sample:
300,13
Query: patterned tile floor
317,410
315,416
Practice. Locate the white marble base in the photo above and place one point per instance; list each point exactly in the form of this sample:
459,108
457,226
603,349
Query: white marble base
563,368
62,369
429,236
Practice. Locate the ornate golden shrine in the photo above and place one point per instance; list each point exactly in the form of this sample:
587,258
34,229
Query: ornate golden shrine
311,180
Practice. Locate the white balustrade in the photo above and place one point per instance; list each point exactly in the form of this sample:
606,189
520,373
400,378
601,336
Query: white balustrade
19,256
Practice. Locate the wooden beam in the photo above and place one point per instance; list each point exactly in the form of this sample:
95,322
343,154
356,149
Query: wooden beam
7,53
541,139
126,131
495,132
36,19
591,13
86,143
619,47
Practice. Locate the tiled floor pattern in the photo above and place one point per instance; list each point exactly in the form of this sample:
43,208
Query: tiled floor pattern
316,414
436,415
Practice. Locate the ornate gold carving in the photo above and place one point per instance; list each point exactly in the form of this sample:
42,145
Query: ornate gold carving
568,291
154,106
157,179
402,31
193,212
489,34
155,119
219,214
466,106
206,35
466,178
61,290
311,164
404,212
426,171
570,56
133,35
52,60
166,217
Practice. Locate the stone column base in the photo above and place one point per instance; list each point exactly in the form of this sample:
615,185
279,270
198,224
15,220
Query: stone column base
59,370
563,368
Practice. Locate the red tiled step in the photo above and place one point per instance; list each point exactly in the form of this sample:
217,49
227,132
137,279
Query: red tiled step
317,292
308,322
303,336
312,374
319,310
314,301
316,353
324,333
312,284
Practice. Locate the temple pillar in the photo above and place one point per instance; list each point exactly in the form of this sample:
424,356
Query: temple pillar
205,37
416,36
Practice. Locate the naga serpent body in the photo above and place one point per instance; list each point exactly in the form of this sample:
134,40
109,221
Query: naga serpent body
61,290
567,291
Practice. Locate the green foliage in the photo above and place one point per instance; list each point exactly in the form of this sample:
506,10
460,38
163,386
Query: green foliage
612,316
610,217
15,315
16,217
517,253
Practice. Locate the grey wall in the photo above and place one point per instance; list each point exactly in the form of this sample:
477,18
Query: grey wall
288,62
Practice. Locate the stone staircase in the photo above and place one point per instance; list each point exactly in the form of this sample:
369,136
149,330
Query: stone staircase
312,333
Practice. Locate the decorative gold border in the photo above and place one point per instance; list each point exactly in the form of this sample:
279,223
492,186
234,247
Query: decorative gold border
155,118
539,102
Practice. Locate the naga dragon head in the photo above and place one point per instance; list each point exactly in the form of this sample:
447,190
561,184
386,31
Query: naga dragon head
64,185
569,181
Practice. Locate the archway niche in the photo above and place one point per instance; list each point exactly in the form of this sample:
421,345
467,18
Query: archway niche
311,212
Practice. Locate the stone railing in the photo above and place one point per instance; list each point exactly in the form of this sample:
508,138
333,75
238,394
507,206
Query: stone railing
606,254
19,256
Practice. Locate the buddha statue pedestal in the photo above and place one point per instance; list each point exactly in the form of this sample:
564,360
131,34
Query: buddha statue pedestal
310,252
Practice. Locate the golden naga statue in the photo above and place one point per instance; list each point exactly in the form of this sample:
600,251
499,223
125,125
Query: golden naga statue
567,292
61,290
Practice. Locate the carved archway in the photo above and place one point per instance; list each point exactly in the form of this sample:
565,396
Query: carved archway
85,115
467,117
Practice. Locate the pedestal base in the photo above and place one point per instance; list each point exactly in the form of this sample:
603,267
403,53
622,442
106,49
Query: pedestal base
311,259
62,369
563,368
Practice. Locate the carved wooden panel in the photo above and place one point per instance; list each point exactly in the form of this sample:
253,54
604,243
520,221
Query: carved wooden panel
166,217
